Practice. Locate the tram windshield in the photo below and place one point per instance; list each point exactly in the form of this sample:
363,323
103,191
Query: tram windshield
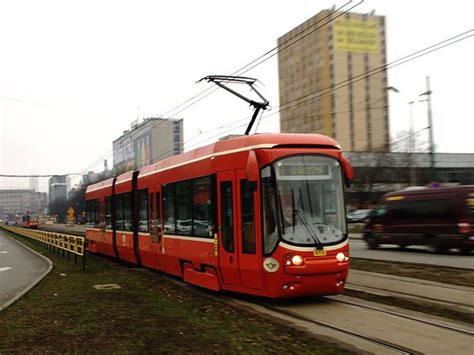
303,202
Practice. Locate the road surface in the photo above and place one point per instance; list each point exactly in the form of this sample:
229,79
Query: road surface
414,254
20,269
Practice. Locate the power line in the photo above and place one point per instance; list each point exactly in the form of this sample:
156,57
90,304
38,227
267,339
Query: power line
241,71
35,175
253,64
405,59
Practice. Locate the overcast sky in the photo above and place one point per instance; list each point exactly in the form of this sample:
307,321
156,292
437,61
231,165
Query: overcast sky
74,74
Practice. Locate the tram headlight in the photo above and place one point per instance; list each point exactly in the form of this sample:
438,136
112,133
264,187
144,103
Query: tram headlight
341,257
297,260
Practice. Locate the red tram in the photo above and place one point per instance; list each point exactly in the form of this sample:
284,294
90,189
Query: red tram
261,214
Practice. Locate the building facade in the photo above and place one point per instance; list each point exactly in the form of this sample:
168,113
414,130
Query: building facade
21,202
323,83
145,143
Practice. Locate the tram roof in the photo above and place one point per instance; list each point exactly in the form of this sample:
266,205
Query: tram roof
242,143
231,145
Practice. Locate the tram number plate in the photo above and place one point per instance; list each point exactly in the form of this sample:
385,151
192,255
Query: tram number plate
317,252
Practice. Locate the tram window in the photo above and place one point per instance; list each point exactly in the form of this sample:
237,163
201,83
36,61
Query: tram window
101,216
151,214
183,204
168,209
158,216
108,212
95,213
227,216
143,210
119,212
247,217
202,204
127,211
92,207
88,217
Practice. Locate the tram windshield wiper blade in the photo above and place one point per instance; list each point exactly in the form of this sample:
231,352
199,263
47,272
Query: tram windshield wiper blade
310,230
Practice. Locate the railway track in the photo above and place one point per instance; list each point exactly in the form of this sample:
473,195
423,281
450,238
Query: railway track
373,327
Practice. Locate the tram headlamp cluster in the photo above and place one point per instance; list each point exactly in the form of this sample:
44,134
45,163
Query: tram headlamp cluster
296,260
341,257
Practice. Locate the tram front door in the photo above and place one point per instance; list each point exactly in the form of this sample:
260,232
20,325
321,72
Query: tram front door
238,257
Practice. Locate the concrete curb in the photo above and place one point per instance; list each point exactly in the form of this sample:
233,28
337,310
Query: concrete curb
35,282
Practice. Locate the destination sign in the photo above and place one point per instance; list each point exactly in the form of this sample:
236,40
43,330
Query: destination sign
289,170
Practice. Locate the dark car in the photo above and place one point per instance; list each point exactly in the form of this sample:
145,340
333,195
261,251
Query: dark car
440,218
358,216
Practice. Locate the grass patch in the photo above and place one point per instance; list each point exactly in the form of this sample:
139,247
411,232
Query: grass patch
149,313
444,274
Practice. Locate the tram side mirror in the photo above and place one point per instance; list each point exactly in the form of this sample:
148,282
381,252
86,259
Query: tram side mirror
252,171
348,171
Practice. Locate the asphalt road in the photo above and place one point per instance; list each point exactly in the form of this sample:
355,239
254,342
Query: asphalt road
20,269
413,254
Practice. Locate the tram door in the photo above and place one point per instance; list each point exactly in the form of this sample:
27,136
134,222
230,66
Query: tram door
154,203
227,231
238,258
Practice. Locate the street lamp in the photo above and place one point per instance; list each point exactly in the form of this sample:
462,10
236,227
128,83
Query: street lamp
411,139
428,93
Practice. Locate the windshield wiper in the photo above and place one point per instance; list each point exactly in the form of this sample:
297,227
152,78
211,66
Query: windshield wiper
309,229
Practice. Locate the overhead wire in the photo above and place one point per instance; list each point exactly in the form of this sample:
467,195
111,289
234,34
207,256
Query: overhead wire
261,59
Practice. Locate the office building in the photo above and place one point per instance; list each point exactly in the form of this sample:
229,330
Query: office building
147,142
323,83
21,202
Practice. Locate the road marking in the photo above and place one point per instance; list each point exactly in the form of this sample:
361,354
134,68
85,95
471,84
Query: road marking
3,252
5,268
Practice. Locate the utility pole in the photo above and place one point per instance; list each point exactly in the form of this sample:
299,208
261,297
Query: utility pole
411,147
430,127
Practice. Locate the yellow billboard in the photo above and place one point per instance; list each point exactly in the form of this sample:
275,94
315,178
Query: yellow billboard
356,36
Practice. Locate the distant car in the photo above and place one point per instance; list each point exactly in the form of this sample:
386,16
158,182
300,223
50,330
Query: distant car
358,216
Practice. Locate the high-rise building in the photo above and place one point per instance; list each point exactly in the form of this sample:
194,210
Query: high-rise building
58,188
34,183
147,142
323,83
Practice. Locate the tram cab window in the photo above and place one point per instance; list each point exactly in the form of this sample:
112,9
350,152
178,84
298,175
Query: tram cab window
247,218
143,210
308,201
